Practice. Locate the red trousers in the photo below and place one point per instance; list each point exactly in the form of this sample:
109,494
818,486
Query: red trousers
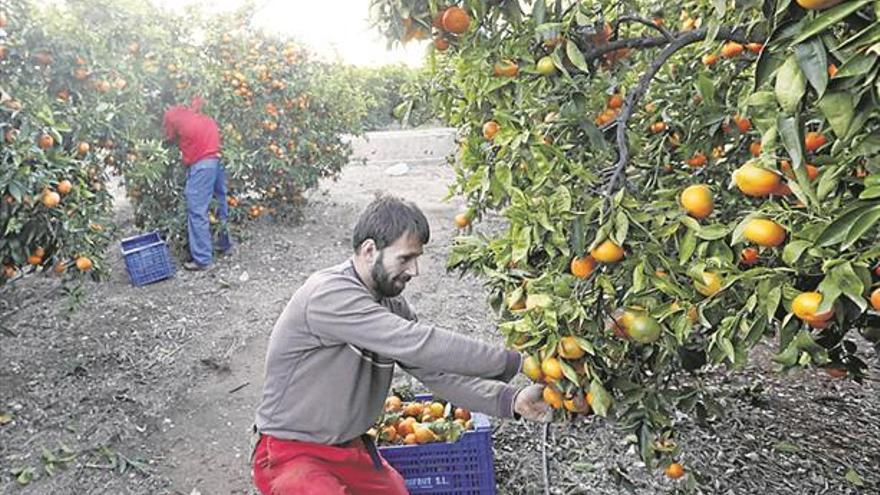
291,467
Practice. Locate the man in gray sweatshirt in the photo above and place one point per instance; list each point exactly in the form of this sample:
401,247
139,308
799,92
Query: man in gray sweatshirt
338,341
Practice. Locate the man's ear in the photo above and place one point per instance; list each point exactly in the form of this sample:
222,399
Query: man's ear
367,249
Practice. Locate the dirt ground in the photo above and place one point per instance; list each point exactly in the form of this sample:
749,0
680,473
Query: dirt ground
152,390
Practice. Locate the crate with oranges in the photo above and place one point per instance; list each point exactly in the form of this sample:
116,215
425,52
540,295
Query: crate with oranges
437,448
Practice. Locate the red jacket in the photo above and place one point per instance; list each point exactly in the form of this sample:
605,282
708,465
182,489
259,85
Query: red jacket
196,133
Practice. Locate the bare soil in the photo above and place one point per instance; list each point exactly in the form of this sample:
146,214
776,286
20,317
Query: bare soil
152,390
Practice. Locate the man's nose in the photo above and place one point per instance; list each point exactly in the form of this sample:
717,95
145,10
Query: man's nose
413,269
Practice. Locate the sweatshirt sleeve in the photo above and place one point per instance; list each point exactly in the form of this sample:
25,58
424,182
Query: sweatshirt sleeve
343,311
491,397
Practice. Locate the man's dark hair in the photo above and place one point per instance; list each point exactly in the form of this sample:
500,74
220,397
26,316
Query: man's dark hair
386,219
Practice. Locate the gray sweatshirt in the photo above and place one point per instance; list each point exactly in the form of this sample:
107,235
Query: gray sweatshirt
332,354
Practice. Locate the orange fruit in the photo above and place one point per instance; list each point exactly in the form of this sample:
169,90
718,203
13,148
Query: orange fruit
814,140
405,426
875,299
455,20
490,128
462,220
764,232
441,44
64,187
413,409
437,409
835,372
755,181
582,266
531,367
424,434
817,4
832,70
755,47
8,271
615,101
389,433
82,148
552,397
658,127
505,68
710,285
45,142
755,148
644,329
461,414
731,49
410,439
812,170
697,201
748,256
569,349
607,252
34,260
742,123
552,369
698,160
709,59
60,267
393,404
51,199
805,305
576,406
675,471
84,264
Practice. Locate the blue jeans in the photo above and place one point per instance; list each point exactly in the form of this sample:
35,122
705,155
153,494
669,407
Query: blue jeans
205,179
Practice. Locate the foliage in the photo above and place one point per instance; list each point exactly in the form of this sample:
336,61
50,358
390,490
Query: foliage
605,113
386,90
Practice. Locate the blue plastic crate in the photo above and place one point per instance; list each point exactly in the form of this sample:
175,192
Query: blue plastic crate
147,258
464,467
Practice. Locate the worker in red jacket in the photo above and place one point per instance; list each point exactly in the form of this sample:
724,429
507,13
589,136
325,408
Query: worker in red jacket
198,137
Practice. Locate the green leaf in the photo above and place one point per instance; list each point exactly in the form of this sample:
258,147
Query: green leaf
786,447
829,18
713,232
870,193
586,345
793,251
861,226
813,62
850,285
836,231
706,88
839,108
569,372
601,398
575,56
688,244
790,85
539,10
774,296
727,347
853,477
857,65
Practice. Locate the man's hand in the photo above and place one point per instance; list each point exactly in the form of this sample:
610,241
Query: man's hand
529,403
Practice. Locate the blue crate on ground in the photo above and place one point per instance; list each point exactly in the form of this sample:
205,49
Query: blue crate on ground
147,258
461,468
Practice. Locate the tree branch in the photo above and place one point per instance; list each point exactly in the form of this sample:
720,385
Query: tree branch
679,42
595,51
641,20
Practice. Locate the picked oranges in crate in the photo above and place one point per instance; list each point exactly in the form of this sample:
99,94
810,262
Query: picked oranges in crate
420,422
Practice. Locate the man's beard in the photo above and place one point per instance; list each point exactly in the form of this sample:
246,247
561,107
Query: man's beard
385,285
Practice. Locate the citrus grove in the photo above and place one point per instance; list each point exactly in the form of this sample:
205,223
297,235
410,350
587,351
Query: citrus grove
677,180
83,91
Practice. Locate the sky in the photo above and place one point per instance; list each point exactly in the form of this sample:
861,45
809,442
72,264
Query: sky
332,28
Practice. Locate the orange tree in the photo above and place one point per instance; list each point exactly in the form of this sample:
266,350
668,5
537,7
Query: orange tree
95,77
677,180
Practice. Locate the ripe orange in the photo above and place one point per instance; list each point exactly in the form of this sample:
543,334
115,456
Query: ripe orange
389,433
755,47
462,220
607,252
875,299
731,49
814,140
64,187
82,148
698,160
410,439
552,397
755,148
812,170
84,264
710,285
568,348
764,232
455,20
405,426
34,260
505,68
437,409
424,434
755,181
817,4
582,266
832,70
805,305
658,127
710,59
461,414
748,256
552,369
615,101
697,201
45,142
532,368
51,199
441,44
413,409
393,404
742,123
675,471
60,267
490,128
